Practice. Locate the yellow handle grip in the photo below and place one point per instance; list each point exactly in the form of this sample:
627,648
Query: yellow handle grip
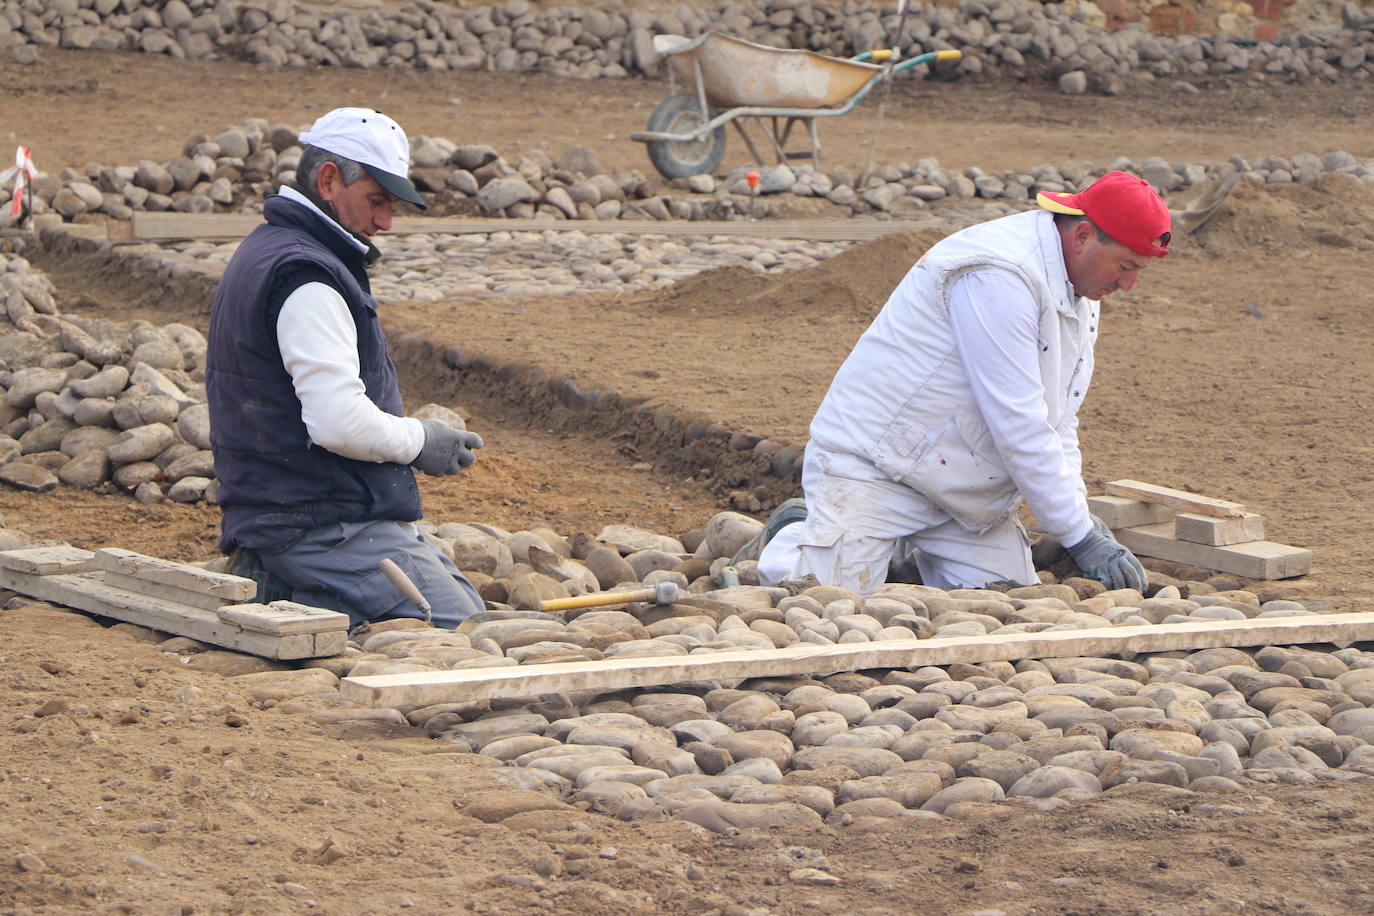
949,55
597,599
884,54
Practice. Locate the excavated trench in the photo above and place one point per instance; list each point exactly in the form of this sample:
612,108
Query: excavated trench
743,468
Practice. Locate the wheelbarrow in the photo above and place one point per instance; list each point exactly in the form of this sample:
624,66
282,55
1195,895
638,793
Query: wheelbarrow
734,80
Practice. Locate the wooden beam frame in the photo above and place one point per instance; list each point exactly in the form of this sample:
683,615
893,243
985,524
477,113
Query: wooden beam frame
413,690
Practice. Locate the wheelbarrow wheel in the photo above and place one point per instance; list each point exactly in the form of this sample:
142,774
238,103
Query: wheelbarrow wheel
681,114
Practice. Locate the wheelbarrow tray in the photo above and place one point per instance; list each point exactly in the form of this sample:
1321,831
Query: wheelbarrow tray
737,74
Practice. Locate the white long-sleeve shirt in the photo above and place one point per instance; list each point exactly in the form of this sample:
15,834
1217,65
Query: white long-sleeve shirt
319,348
995,321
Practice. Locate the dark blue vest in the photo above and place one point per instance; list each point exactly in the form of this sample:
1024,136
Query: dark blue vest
275,484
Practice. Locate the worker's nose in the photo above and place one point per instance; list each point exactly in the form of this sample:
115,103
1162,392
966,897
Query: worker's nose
1127,280
382,218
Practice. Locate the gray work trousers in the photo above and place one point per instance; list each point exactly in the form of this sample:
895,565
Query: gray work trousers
335,567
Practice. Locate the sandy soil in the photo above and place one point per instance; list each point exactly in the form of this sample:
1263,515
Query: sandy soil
1239,368
73,107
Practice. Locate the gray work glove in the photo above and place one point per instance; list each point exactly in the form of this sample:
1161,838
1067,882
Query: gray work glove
1102,558
446,450
1100,526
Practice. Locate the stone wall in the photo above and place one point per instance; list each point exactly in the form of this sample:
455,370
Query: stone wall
1018,39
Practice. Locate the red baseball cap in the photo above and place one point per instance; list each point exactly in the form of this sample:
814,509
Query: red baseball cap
1123,206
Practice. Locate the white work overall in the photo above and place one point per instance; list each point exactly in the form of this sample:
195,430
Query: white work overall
902,464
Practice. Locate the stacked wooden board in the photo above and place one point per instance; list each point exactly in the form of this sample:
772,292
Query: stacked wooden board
175,598
1184,527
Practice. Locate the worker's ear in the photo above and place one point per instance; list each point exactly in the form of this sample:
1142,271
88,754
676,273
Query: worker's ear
328,181
1083,230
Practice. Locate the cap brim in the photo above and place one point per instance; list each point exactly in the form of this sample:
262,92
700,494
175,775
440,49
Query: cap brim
1059,202
395,184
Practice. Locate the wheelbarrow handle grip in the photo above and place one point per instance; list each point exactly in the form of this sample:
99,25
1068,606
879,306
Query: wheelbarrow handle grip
927,57
875,56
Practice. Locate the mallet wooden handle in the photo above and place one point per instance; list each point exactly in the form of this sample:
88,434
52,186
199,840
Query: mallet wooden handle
597,599
661,593
405,586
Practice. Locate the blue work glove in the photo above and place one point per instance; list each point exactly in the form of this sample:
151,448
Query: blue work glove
1100,526
446,450
1102,558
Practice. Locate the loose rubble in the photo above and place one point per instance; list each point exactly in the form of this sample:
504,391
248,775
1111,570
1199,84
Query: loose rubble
1011,39
236,169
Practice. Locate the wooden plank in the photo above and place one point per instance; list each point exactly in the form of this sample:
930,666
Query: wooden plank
1178,499
88,592
410,690
1254,560
167,592
47,561
181,575
283,618
1120,512
165,226
1218,532
329,644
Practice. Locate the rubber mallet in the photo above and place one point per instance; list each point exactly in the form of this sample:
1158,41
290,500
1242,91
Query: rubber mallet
662,593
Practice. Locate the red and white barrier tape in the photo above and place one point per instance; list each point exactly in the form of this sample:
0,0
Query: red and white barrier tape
23,174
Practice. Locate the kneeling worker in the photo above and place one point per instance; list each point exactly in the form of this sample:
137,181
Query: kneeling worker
962,398
312,450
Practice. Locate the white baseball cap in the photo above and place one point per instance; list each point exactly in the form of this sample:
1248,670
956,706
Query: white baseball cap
372,140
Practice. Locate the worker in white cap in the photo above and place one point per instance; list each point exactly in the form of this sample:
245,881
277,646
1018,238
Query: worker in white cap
313,453
961,400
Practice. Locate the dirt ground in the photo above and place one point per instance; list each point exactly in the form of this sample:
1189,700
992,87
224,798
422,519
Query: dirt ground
1239,367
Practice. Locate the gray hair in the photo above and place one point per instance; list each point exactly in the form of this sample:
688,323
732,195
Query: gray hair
313,158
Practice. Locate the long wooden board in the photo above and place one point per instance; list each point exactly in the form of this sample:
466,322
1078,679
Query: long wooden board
167,592
410,690
88,592
177,575
1254,560
162,226
1179,499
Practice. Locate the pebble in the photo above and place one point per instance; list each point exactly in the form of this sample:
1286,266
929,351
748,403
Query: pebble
27,861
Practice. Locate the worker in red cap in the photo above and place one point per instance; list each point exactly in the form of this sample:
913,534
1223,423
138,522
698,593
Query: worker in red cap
961,400
313,452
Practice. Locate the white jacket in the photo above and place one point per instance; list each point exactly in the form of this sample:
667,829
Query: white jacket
902,399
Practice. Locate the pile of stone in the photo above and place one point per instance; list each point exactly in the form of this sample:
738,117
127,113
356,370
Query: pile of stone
99,404
238,168
1008,39
936,741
